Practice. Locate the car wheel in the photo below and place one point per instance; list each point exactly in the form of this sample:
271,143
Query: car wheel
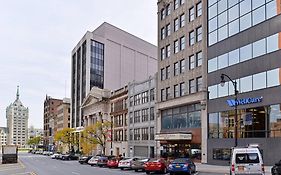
136,170
147,172
171,173
122,168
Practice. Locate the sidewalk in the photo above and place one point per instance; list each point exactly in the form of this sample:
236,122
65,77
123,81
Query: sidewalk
221,169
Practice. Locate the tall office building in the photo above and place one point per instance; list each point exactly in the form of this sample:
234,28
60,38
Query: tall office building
17,122
3,135
244,42
181,89
107,58
50,121
63,114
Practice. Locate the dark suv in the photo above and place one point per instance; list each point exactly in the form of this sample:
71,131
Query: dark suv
276,169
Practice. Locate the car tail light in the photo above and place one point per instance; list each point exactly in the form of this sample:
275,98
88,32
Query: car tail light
232,168
145,165
186,165
158,164
262,167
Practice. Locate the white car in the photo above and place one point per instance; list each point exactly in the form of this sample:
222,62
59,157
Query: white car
246,160
94,160
55,156
126,163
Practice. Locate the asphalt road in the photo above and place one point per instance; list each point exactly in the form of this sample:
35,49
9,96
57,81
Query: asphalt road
31,164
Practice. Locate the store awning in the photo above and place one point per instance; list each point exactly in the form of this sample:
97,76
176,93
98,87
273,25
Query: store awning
177,136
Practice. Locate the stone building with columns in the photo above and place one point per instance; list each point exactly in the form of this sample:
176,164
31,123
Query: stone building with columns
96,107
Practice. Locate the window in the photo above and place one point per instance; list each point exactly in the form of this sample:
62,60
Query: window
168,51
162,94
233,13
168,72
176,4
168,29
162,53
246,84
199,33
168,10
182,65
151,133
223,61
163,33
191,38
272,78
182,2
245,21
192,86
212,64
233,57
213,91
152,95
245,7
199,58
182,20
272,43
259,81
168,93
246,52
182,43
199,84
176,69
191,14
176,24
259,48
163,76
162,14
176,91
176,46
152,113
191,62
259,15
144,115
182,89
199,8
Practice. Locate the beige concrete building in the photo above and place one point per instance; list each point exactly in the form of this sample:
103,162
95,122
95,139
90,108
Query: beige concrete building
17,122
63,114
107,58
119,119
181,91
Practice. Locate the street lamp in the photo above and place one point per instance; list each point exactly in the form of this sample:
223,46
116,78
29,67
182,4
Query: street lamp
234,83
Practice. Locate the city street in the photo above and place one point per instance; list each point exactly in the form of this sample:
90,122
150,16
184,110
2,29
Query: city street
31,164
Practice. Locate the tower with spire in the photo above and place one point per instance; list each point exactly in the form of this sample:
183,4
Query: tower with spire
17,122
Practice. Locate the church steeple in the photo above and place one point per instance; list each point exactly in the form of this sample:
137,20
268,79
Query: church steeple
18,93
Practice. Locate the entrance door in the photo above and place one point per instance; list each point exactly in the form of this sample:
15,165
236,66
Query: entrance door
152,152
117,151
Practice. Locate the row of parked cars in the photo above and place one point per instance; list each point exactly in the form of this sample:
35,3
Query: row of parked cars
148,165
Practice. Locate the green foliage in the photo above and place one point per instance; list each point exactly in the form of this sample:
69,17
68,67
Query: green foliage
66,136
34,141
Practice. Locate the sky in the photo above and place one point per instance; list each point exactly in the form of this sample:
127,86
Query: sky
37,36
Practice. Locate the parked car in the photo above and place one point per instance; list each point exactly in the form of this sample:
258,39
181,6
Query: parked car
139,164
156,165
276,169
102,160
55,155
45,153
246,160
84,159
113,163
93,161
182,165
70,157
126,163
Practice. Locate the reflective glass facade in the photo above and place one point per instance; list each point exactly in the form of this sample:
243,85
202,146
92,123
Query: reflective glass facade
182,117
244,53
229,17
259,122
97,65
257,81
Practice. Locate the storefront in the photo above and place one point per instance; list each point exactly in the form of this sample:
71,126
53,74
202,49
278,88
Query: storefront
178,145
258,122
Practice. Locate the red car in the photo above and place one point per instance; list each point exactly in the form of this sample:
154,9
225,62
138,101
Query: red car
156,165
113,163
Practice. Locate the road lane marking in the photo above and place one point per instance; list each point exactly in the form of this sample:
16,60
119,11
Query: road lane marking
75,173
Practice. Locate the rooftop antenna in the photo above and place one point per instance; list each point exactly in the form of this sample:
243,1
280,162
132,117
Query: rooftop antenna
18,93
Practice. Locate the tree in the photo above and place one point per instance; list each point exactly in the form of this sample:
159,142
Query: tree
66,136
97,133
34,142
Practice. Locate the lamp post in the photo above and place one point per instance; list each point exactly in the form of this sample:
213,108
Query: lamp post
234,83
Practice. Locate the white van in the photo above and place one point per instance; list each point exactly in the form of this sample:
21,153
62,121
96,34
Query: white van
246,160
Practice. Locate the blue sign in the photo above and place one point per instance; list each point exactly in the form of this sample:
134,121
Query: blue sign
243,101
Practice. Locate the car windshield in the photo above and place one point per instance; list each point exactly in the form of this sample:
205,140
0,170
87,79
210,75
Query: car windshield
181,161
247,158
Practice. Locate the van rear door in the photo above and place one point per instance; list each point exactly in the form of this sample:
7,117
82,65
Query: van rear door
248,163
